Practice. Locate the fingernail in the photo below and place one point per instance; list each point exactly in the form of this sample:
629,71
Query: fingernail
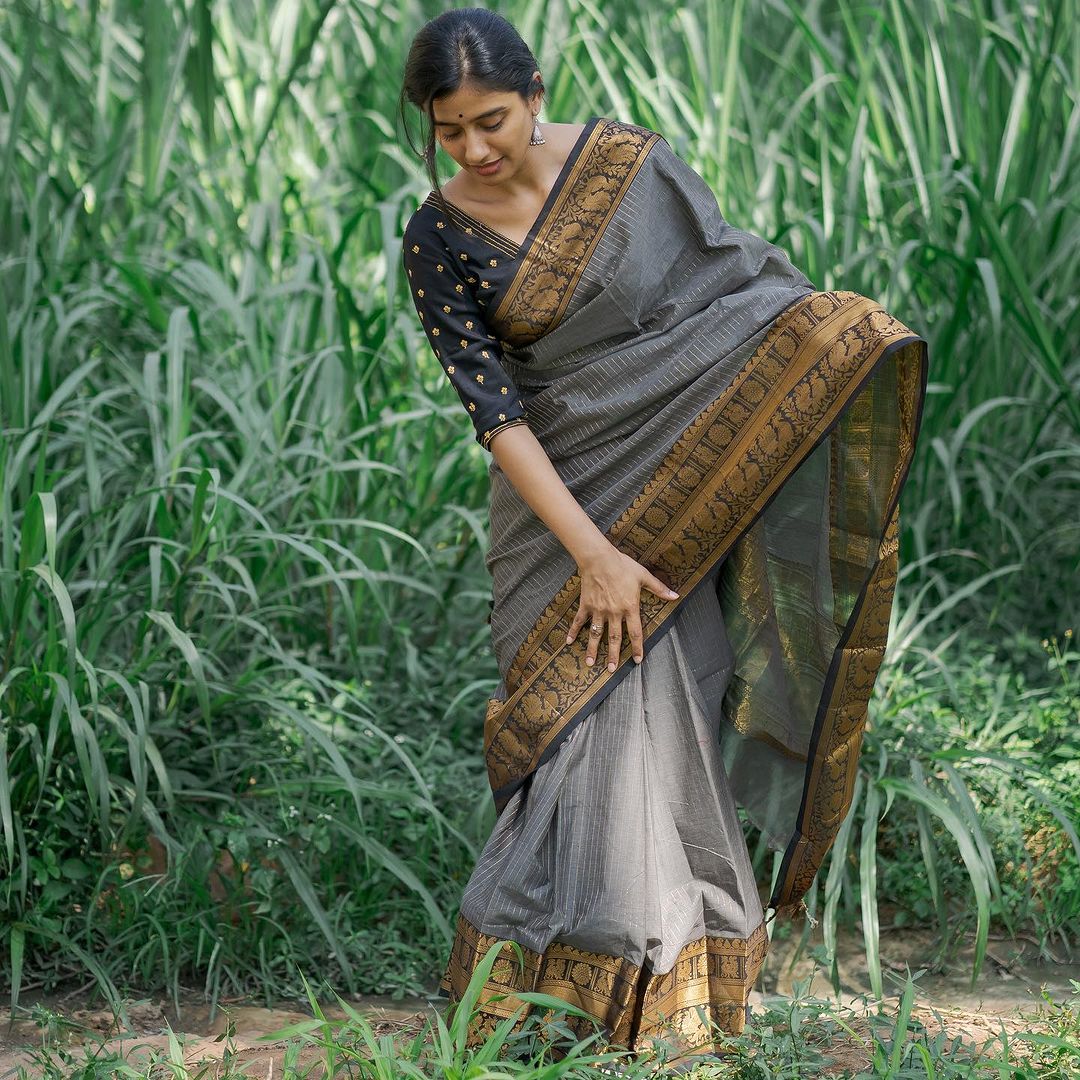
637,659
672,594
611,666
569,639
589,661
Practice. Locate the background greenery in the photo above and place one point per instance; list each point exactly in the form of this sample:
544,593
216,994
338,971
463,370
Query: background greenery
243,655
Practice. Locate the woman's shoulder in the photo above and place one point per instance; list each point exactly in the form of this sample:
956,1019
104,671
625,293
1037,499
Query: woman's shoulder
624,140
630,126
426,224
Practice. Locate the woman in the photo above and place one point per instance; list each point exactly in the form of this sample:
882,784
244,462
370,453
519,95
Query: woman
687,439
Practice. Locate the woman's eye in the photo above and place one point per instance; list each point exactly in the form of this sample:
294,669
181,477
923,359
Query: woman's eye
455,134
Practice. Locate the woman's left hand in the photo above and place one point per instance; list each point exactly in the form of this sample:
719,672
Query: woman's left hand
611,584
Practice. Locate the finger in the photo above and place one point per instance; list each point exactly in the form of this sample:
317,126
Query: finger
614,642
655,585
637,644
576,625
594,640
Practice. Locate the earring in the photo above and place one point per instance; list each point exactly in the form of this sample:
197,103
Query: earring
537,135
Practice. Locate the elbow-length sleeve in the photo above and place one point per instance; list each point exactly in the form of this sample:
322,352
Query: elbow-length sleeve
458,335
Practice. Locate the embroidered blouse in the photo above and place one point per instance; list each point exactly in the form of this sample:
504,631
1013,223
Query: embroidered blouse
454,269
462,273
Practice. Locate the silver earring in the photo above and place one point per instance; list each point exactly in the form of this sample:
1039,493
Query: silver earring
537,135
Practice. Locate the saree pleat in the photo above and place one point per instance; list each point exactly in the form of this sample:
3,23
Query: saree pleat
746,438
621,868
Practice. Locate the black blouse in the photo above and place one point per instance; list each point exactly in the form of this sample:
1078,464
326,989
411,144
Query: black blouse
456,269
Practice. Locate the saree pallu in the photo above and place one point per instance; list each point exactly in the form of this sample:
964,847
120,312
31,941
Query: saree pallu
746,438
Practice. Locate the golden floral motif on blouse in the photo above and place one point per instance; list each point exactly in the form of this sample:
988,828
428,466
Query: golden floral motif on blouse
435,331
485,284
502,416
545,281
439,267
485,354
464,343
493,262
440,224
502,390
480,378
463,256
419,292
416,249
472,406
468,324
459,288
451,369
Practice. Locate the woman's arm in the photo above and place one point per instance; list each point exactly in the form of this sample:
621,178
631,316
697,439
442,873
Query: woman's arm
611,582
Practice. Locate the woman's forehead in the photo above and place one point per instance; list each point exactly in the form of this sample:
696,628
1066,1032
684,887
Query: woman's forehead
469,103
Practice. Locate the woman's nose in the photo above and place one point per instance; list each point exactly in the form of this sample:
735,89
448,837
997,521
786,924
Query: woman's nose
476,152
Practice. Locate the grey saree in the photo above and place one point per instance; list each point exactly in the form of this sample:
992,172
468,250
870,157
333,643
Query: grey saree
746,437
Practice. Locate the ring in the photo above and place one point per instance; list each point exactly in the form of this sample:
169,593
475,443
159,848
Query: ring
596,628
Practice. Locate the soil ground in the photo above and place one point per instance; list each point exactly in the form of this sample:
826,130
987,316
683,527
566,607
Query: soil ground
1005,996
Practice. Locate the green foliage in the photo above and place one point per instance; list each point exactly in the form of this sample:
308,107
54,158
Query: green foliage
954,803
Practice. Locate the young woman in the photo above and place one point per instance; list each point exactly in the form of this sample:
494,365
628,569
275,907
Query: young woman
697,460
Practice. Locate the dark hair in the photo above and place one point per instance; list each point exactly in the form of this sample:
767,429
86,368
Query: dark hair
463,45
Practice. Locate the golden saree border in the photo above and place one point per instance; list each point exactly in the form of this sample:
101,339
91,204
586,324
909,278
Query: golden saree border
837,738
538,294
712,975
709,489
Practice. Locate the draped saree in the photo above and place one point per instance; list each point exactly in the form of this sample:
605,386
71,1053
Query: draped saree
745,437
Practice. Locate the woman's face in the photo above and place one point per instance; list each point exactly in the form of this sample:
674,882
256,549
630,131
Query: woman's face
478,127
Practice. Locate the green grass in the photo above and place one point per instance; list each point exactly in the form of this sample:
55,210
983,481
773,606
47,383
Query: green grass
243,656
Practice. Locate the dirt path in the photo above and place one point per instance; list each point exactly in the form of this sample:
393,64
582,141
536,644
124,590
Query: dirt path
1005,997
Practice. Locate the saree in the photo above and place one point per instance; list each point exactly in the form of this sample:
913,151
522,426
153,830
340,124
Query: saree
746,438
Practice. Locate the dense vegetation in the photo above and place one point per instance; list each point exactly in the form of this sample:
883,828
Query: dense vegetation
243,655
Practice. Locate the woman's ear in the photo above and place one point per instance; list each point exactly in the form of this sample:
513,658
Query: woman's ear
536,97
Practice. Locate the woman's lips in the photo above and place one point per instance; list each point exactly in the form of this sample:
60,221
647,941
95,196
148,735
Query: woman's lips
491,167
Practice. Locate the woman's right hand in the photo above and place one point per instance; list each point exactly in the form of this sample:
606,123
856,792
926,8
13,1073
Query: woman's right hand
611,584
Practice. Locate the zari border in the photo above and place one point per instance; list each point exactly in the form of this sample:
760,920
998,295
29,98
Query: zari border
549,272
836,738
837,735
710,487
490,434
634,1005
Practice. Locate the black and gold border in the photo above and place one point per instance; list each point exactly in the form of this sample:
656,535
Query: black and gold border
710,488
834,753
537,297
492,432
713,974
836,739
